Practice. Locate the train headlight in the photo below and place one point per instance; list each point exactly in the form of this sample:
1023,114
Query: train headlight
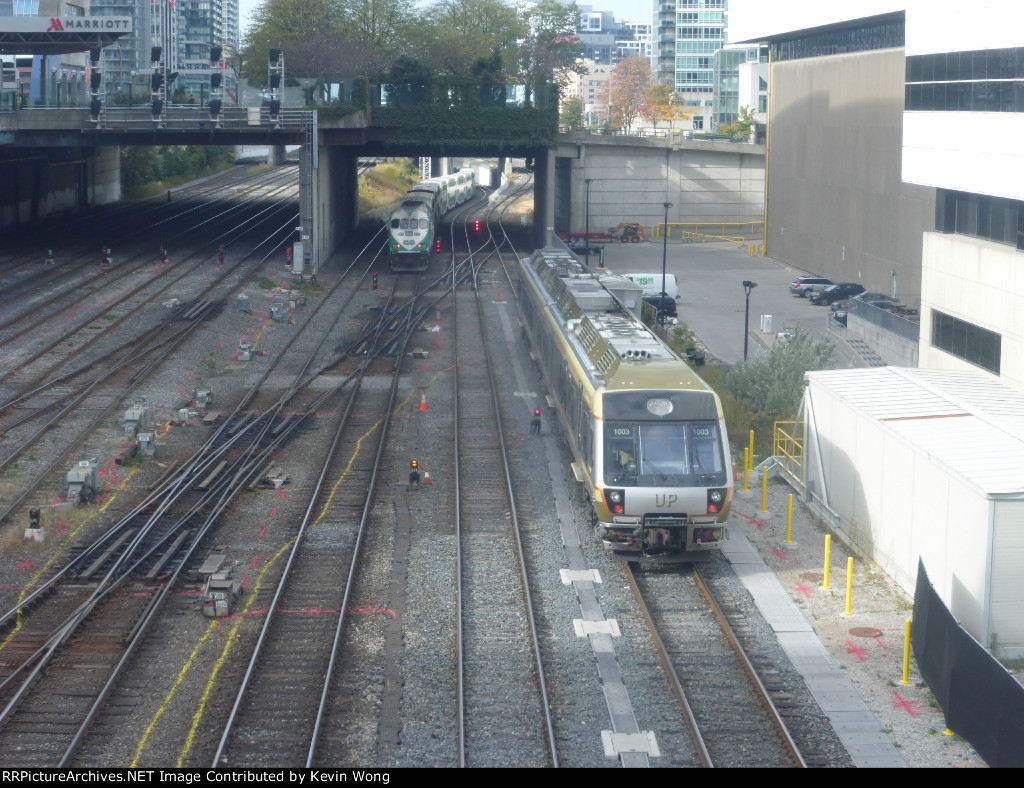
615,500
715,500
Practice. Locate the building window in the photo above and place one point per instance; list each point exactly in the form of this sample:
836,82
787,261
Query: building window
980,216
988,80
973,344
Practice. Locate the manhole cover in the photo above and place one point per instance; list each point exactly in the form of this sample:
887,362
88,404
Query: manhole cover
866,632
812,577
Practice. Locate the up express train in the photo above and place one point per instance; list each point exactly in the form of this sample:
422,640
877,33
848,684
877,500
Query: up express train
413,224
647,433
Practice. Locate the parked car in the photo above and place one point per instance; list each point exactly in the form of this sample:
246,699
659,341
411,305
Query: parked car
805,285
840,317
840,306
665,305
837,292
877,299
580,246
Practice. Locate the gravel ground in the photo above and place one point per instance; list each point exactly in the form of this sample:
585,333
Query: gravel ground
868,643
873,662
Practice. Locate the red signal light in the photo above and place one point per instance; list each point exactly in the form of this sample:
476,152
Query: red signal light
375,287
476,225
437,245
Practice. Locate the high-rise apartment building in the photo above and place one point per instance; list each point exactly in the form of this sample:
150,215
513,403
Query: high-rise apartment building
686,35
184,29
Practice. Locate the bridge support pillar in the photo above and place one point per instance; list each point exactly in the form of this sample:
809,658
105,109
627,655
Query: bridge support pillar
330,204
543,196
278,155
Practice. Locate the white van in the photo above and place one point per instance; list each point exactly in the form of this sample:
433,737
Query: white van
651,283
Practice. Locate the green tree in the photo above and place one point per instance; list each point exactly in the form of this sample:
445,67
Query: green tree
771,384
455,35
552,46
740,128
571,112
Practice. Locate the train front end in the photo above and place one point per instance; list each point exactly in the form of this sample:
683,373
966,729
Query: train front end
663,483
410,232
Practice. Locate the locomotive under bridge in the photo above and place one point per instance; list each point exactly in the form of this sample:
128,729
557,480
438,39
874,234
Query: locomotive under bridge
57,161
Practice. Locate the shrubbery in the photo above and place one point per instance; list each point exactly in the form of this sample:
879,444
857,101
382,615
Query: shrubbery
148,170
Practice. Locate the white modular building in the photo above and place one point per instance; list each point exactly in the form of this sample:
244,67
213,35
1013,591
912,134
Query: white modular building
929,464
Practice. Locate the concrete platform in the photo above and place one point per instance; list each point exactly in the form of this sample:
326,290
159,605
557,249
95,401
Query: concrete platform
857,727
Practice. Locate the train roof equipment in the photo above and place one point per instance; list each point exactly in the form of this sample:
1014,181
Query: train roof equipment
599,319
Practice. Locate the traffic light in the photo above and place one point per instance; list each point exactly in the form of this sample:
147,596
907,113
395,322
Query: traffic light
375,287
288,255
156,81
536,411
215,52
415,464
476,225
437,245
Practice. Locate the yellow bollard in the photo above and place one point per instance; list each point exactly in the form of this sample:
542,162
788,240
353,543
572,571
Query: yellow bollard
764,489
906,653
828,553
750,457
849,584
745,470
789,520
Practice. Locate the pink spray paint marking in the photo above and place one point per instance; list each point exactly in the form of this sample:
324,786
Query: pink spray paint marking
909,706
857,651
807,592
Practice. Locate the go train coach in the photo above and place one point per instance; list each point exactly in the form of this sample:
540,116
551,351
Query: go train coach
412,228
647,434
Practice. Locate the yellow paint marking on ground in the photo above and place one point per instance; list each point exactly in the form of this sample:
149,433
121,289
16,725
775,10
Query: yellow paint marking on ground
170,695
59,554
225,652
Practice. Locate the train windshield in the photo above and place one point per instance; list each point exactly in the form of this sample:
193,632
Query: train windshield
643,454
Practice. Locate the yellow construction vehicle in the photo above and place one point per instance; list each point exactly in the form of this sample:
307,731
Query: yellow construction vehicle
627,233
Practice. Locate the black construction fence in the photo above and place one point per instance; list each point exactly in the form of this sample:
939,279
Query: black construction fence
981,701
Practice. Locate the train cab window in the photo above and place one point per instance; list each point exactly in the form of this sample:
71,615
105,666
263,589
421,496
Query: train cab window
705,451
423,224
405,224
663,449
394,224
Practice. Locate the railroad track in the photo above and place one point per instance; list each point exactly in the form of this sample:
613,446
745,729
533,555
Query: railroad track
504,713
731,715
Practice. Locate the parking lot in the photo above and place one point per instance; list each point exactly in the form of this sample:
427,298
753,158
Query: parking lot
712,300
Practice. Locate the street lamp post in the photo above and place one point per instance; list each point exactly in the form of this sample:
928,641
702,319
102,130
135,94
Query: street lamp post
747,287
664,260
569,234
587,227
131,84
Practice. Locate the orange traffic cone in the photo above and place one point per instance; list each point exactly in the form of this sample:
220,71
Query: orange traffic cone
426,476
423,402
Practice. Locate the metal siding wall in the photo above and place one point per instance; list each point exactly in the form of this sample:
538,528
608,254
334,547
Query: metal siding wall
1006,613
836,204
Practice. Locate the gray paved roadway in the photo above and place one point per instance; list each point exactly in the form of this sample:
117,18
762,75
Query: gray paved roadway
711,298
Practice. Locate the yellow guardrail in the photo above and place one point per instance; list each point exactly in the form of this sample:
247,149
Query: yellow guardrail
707,230
789,452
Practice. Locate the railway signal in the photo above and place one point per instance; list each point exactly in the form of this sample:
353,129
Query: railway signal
288,256
476,225
437,244
220,253
163,254
375,287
